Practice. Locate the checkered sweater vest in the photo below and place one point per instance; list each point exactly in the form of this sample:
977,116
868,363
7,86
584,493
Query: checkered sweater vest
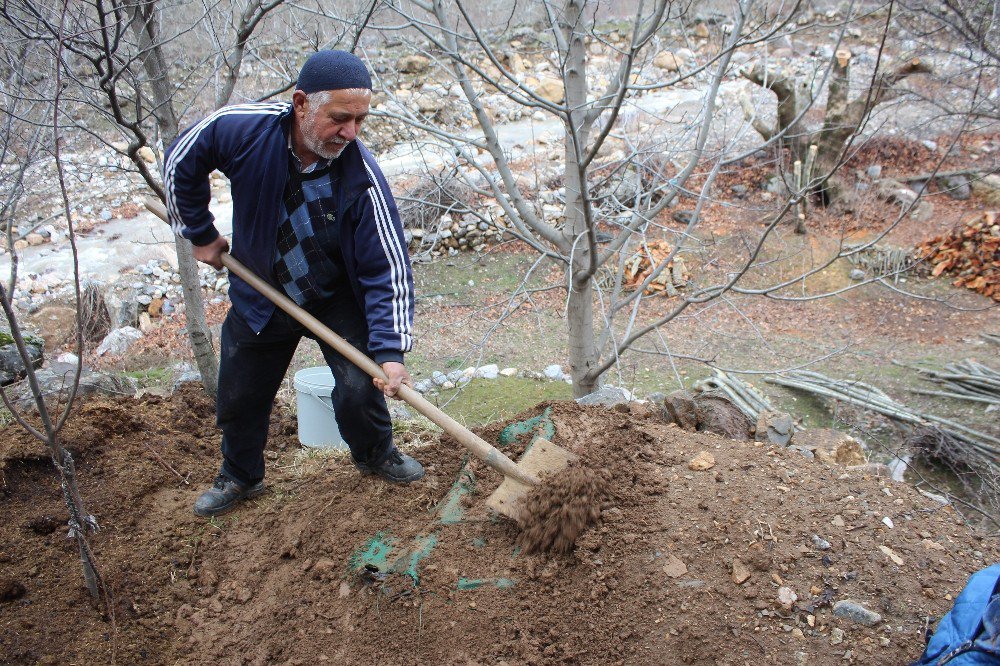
308,263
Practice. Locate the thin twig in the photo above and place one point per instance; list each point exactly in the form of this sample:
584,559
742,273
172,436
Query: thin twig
167,465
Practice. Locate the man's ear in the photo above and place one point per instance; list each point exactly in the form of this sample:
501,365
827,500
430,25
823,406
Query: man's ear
299,101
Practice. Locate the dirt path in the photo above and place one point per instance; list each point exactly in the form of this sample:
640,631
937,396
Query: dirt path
330,567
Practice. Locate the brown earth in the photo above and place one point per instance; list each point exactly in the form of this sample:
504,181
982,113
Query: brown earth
281,580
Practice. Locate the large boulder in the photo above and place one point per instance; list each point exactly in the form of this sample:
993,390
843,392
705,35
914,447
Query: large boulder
12,365
668,61
718,414
430,103
55,323
679,408
118,341
56,380
896,192
147,155
775,428
707,412
957,186
988,189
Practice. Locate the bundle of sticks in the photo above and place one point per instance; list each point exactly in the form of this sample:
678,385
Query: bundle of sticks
965,380
978,445
747,399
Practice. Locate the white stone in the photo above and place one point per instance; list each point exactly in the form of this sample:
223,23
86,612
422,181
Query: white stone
490,371
430,103
787,597
118,341
509,372
553,372
608,396
145,322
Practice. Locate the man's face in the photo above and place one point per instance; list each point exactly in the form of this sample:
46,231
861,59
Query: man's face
328,128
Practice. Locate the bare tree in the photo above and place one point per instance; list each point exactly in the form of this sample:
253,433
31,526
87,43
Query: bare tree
625,161
123,75
142,66
963,36
21,142
843,118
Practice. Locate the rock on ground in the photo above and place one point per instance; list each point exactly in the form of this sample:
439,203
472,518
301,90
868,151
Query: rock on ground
118,341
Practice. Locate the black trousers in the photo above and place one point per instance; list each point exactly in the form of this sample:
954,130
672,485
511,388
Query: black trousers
253,366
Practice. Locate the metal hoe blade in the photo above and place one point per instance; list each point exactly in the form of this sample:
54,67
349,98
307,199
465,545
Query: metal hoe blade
540,459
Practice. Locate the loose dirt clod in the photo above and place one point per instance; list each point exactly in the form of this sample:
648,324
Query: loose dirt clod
561,508
10,590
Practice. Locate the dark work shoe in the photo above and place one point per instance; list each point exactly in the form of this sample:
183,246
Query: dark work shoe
224,495
398,468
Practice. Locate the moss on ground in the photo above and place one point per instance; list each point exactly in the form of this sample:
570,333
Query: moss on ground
151,377
485,400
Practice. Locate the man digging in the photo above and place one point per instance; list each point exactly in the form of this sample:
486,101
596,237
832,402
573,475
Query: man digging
312,215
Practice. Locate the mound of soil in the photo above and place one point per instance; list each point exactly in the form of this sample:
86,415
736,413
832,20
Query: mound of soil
737,563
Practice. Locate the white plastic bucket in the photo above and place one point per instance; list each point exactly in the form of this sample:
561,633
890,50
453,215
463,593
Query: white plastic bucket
317,425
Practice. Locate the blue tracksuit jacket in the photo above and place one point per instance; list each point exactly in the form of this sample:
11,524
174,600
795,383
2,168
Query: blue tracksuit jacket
249,144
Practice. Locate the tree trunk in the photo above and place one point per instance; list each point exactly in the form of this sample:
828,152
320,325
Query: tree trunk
80,521
194,313
154,63
580,305
844,117
582,347
790,96
838,125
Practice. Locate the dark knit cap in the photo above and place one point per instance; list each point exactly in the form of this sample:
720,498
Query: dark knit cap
333,70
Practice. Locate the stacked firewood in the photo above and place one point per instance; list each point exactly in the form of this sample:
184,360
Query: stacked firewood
648,262
970,252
